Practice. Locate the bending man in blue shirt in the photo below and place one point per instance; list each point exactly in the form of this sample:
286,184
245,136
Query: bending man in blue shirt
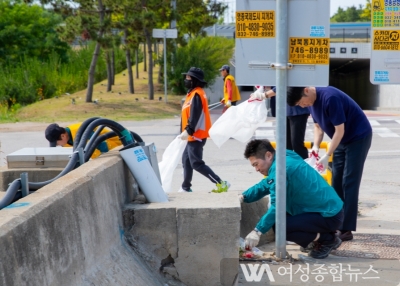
314,210
339,116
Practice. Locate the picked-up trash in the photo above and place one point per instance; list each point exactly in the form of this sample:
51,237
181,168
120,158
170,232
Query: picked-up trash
239,122
257,251
248,253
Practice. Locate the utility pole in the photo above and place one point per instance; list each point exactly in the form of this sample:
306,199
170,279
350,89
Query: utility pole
173,26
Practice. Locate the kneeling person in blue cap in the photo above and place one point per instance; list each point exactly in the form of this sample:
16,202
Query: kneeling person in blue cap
314,210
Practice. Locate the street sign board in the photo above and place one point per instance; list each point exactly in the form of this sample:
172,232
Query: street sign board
309,51
385,41
255,24
255,49
167,33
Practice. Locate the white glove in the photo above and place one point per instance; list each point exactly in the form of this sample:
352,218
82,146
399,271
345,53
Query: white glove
314,152
252,239
241,199
184,135
228,103
257,95
323,162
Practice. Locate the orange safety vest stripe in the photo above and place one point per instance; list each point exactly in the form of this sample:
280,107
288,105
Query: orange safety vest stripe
204,123
235,90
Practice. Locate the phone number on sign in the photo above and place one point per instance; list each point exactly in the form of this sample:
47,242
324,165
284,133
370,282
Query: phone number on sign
254,34
264,26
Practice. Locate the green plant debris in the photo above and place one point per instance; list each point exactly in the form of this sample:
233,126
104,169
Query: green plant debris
221,188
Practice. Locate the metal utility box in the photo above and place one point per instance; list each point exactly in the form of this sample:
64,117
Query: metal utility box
48,157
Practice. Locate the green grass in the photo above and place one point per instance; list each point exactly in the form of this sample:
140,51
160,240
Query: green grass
115,105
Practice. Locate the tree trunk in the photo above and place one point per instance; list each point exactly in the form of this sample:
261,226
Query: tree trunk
92,69
160,71
137,62
150,72
129,64
155,51
109,71
144,57
112,66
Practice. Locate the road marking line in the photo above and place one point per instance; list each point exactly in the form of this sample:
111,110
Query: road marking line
266,124
374,122
384,132
262,134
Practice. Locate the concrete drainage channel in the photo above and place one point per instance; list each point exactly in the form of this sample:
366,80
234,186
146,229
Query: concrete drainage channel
84,229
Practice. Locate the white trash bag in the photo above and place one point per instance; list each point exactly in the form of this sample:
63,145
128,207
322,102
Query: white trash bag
312,161
239,122
170,159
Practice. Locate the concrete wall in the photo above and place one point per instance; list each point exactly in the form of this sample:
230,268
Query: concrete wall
199,231
251,215
34,175
71,232
389,98
86,229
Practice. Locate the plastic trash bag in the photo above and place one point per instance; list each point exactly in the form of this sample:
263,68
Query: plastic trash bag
312,161
170,159
239,122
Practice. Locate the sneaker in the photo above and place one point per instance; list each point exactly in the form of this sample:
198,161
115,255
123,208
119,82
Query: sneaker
322,249
181,190
226,184
222,187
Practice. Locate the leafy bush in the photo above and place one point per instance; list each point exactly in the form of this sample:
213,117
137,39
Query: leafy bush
29,30
33,80
207,53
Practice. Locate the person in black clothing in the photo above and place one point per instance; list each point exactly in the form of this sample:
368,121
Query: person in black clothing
195,124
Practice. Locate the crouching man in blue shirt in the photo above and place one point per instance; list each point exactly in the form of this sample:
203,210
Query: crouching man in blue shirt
314,210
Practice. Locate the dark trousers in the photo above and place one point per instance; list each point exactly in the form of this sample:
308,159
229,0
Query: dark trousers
295,133
192,159
347,169
303,228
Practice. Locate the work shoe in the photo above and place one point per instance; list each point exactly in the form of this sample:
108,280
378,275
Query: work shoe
309,247
346,236
322,249
181,190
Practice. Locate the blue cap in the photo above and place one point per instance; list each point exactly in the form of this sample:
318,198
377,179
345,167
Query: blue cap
224,67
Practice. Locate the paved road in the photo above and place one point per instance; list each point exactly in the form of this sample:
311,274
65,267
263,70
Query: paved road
379,194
